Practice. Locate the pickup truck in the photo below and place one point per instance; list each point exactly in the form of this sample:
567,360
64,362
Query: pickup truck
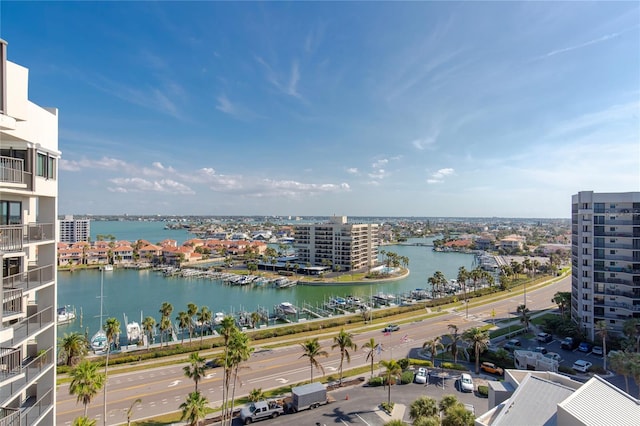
260,410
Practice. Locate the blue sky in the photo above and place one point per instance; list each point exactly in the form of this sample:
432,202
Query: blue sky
360,109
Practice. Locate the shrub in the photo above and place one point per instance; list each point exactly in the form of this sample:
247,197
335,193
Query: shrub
452,366
376,381
420,362
597,369
483,390
566,370
403,363
388,407
407,377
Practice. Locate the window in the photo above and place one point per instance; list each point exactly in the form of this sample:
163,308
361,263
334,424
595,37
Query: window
612,240
612,229
585,284
3,73
585,240
46,166
585,308
11,212
612,309
612,252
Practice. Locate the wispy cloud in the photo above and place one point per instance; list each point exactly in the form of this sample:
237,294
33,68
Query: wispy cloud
125,185
352,170
424,143
440,175
288,86
584,44
105,163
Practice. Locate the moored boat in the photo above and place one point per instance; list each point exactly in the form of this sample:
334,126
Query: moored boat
287,308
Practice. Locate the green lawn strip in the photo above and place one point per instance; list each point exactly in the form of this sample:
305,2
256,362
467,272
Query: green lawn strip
540,320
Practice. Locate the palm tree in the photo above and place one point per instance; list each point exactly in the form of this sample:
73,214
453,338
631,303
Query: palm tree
195,369
86,382
344,341
166,309
602,331
373,347
447,402
525,316
240,351
194,408
112,329
255,318
256,395
432,346
148,325
454,339
130,410
204,317
479,340
312,351
563,300
227,325
83,421
73,346
192,309
619,364
463,276
393,369
424,406
165,325
184,321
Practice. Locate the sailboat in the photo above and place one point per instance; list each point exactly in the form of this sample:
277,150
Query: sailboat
99,340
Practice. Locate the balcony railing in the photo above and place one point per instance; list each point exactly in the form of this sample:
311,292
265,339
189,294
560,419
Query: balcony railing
12,301
11,170
33,413
9,416
32,324
31,279
10,362
32,368
14,237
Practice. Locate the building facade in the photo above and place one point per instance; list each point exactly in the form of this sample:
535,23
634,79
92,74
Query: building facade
337,244
28,195
605,257
74,230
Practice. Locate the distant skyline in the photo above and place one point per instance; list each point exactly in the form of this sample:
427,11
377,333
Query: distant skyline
426,109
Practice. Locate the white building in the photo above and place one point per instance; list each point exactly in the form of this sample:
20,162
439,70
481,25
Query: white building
28,194
338,244
74,230
605,257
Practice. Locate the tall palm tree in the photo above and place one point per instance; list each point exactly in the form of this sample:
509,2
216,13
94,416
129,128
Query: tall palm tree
392,371
563,300
602,330
255,318
525,316
432,346
112,329
192,309
227,325
73,346
619,364
166,309
165,326
373,347
204,317
479,340
454,339
195,369
344,341
148,325
463,276
130,410
312,350
194,408
184,322
240,351
86,382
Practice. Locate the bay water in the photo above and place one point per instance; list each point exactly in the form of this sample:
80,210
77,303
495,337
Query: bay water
136,294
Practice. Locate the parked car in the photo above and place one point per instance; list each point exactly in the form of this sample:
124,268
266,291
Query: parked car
582,366
569,343
391,327
541,349
421,375
512,345
544,337
597,350
585,347
466,383
554,356
490,367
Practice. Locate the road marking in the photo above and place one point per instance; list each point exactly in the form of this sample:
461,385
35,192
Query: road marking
363,420
208,376
330,368
281,380
174,383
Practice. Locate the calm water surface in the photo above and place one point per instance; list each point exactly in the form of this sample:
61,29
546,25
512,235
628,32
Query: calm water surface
135,293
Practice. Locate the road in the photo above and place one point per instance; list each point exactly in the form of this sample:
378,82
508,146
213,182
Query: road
163,389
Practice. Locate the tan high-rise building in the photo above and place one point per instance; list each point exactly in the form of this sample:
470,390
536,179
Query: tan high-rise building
605,257
29,199
337,244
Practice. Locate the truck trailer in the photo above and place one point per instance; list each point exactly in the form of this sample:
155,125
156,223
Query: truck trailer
529,360
311,395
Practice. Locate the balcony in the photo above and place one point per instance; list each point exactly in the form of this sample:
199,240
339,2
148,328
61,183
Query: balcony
33,412
31,325
12,173
10,362
9,416
14,237
31,279
12,301
31,368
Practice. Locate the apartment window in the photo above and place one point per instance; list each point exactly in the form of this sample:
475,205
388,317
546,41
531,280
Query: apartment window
612,240
585,240
612,252
3,78
612,309
612,229
46,166
585,308
612,321
612,263
585,262
11,212
585,284
612,206
612,218
585,296
585,274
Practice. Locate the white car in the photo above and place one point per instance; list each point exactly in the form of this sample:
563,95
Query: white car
596,350
553,355
466,383
421,375
582,366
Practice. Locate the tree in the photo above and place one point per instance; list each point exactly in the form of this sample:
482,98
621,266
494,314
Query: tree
195,370
86,382
373,347
240,351
227,325
479,340
83,421
112,330
563,300
255,318
463,276
148,325
454,338
458,415
194,408
631,330
424,406
165,326
344,341
392,371
192,310
525,316
256,395
166,309
447,402
602,330
204,317
73,346
184,322
312,350
432,346
130,410
618,363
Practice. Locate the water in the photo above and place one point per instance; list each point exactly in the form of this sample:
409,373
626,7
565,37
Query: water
132,292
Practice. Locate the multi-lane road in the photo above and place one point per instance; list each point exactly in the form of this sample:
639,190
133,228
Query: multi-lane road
163,389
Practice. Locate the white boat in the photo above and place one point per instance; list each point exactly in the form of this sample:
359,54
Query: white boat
218,317
134,332
65,315
287,308
99,340
108,268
